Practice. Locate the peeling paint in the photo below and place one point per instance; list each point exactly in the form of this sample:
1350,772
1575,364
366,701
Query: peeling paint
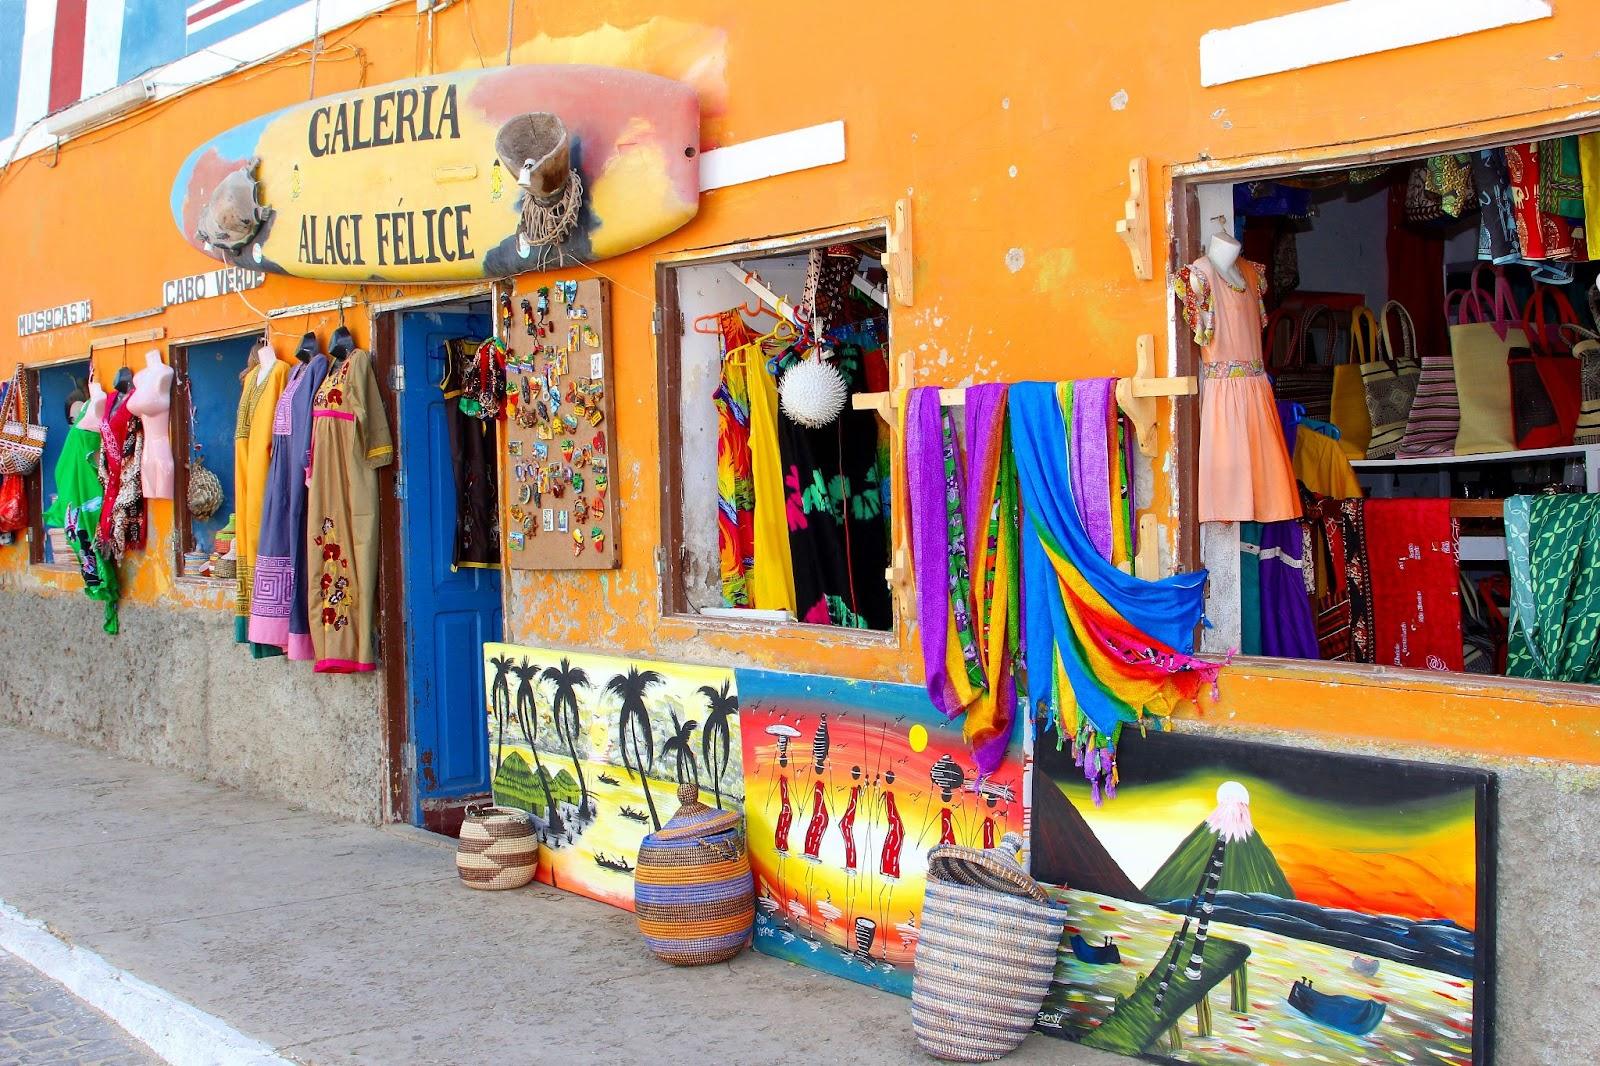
1011,171
1055,266
1015,260
1119,99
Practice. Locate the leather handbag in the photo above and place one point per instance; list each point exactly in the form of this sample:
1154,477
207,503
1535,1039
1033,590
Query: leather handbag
1349,407
1479,349
1390,382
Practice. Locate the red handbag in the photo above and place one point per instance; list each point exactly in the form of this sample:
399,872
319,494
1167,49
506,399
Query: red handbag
13,504
1546,381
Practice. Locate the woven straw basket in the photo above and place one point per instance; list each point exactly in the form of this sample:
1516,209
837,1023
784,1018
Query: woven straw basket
498,849
692,890
985,956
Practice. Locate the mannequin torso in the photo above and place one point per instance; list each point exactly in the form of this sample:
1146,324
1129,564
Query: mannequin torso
96,409
152,402
1223,252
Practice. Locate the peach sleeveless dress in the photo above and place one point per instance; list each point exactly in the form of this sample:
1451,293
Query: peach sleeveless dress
1245,471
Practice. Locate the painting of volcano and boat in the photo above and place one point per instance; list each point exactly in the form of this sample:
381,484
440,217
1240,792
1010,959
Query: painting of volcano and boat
848,785
1246,903
594,748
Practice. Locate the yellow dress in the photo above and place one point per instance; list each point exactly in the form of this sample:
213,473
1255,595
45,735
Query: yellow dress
1322,466
772,584
252,457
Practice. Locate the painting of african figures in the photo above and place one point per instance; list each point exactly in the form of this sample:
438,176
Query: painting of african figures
594,748
847,786
1241,903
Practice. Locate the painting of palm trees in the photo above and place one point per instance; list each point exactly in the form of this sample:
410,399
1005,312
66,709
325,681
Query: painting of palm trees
500,701
564,710
528,720
635,734
603,741
679,747
716,743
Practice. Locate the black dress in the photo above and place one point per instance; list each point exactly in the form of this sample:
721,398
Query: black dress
475,457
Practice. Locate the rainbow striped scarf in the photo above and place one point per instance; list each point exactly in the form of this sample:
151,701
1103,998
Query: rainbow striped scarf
1103,648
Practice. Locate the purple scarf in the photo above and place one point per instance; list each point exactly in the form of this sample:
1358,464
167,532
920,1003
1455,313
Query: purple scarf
1091,459
925,499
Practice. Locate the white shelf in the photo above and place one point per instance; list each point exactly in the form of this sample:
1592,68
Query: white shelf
1482,550
1590,453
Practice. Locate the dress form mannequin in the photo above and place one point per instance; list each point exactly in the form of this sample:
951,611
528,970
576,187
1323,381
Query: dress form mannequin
152,402
96,408
1223,251
265,357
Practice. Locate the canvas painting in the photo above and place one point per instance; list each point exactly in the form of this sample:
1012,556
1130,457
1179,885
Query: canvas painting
594,748
1243,903
848,784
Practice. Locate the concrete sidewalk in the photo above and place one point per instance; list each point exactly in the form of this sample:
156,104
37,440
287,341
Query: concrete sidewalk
342,943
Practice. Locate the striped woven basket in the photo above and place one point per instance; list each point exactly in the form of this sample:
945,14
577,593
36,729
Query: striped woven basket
985,955
692,890
498,849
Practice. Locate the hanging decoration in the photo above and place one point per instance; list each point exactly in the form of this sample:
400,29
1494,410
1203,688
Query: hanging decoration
813,392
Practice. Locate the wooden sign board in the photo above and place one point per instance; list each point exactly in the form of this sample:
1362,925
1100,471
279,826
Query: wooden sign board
560,496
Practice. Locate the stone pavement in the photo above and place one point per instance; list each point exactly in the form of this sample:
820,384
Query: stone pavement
41,1024
339,943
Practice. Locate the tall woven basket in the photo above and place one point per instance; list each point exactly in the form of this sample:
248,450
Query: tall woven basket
498,849
692,889
985,956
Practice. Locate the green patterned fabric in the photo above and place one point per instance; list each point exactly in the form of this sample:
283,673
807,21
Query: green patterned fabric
1558,637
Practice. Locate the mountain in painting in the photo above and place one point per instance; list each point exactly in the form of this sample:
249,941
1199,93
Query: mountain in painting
1250,867
1066,852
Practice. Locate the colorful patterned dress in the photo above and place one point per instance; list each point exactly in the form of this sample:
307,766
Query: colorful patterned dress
475,460
349,442
76,511
122,515
252,456
278,600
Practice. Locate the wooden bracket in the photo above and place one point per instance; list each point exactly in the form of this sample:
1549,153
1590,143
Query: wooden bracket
1137,395
899,253
1134,225
1147,561
143,335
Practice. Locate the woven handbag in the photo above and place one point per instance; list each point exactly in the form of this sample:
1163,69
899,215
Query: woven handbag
1479,347
1299,375
1586,349
1435,416
1390,383
985,955
205,491
21,442
1348,410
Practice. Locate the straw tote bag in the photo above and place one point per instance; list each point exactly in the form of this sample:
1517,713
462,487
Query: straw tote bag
1586,349
1479,349
1435,416
1349,410
1546,382
1297,375
1390,383
21,442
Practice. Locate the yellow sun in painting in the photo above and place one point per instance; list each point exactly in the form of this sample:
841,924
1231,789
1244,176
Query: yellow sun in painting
918,737
597,734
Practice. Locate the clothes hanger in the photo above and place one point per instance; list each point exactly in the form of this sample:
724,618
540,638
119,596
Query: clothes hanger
715,317
124,381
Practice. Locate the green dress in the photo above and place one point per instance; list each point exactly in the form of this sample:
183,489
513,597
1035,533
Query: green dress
76,509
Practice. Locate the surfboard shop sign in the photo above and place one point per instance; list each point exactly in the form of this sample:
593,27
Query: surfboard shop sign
402,183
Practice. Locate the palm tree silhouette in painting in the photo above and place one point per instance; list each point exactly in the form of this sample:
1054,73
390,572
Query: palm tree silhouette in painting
500,703
528,718
715,735
634,735
678,746
564,710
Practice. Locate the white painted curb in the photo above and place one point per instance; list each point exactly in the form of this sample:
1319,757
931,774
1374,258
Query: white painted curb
179,1033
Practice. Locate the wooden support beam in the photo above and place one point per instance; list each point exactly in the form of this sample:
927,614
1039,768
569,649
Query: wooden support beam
899,255
1147,561
1137,395
158,333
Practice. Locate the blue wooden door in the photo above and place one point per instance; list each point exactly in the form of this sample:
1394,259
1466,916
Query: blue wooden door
450,613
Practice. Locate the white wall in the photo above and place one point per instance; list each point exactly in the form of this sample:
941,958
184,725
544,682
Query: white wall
1345,248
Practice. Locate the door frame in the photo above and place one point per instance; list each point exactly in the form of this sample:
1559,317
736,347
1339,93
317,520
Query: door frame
400,792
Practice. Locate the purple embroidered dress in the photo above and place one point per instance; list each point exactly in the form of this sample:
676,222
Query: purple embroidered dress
278,605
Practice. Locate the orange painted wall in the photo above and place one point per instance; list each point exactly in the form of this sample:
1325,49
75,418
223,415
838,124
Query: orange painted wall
1010,128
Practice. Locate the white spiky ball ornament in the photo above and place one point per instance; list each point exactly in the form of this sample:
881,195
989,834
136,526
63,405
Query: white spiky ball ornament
813,392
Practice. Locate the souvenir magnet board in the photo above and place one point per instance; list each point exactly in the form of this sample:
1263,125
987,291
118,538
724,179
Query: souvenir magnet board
560,497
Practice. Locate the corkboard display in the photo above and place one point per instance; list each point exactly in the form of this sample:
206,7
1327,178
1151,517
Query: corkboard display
559,499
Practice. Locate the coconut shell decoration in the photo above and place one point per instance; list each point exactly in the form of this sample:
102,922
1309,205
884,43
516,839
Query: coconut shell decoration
537,148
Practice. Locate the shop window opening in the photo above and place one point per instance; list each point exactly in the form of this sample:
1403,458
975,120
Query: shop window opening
777,496
1401,437
57,395
209,377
